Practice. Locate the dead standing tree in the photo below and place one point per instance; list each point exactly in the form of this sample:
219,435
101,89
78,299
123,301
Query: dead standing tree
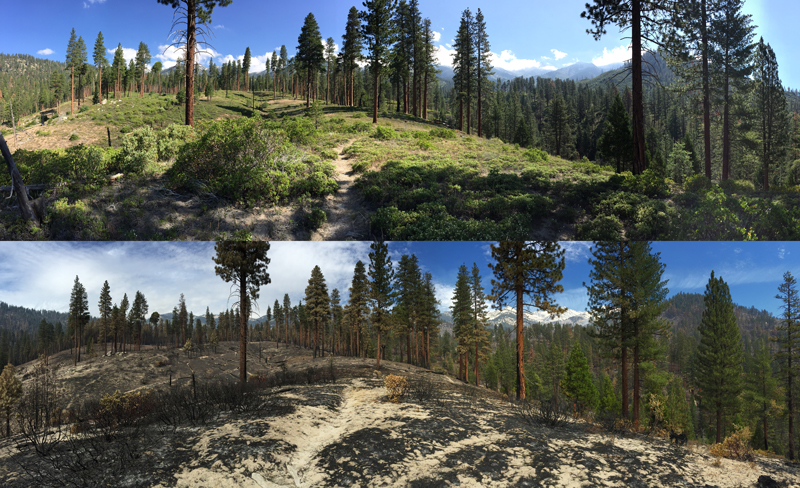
17,185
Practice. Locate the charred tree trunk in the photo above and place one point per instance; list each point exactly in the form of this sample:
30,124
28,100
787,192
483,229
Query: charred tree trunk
18,185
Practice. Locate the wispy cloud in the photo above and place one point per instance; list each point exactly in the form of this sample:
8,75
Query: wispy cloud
219,26
89,3
575,251
558,54
436,36
45,52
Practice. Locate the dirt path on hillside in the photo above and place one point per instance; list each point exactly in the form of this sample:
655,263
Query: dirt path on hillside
347,218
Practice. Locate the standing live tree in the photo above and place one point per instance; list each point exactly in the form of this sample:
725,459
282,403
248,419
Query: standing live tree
770,101
10,392
381,295
190,12
464,67
788,339
244,264
483,68
104,305
99,58
246,68
378,32
523,269
78,315
615,144
317,303
719,354
309,52
647,21
351,52
142,60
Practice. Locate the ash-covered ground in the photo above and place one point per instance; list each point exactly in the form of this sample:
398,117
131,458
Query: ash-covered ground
348,434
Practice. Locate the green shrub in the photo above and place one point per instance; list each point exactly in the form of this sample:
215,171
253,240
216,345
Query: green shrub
359,127
696,183
652,220
536,155
649,183
359,115
425,145
602,228
170,139
384,133
300,130
74,137
737,186
43,133
84,108
443,133
139,149
316,218
329,154
588,168
180,97
360,166
67,221
248,161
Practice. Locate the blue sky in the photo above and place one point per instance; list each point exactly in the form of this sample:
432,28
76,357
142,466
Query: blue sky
41,274
538,33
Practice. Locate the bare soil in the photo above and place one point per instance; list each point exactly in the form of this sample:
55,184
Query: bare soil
349,434
347,217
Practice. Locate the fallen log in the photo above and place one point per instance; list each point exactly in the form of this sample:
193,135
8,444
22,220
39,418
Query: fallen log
27,187
25,207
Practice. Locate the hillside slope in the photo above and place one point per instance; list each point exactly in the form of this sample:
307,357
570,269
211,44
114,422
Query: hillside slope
347,433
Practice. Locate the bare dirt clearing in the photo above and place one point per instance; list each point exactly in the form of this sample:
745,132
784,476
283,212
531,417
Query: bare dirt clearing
348,434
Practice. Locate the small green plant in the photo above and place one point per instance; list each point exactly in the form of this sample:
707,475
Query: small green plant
425,145
74,137
443,133
384,133
316,218
43,133
84,108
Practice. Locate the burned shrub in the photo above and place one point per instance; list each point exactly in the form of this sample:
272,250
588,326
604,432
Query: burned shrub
396,387
552,412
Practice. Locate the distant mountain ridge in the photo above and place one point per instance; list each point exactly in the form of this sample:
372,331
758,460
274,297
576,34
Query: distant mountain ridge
576,72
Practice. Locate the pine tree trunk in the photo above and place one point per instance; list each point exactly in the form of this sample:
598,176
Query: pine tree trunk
72,93
639,159
636,384
706,93
520,360
790,396
375,112
190,49
624,374
476,363
726,137
425,97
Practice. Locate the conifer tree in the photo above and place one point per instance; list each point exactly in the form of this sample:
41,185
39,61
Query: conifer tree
479,320
351,52
104,305
378,32
761,388
244,264
732,33
719,354
10,393
381,295
78,314
483,62
330,60
246,68
317,303
137,317
429,316
182,317
771,103
788,339
464,67
283,64
560,123
646,21
429,63
526,269
100,61
191,12
118,66
336,321
461,312
142,60
157,67
287,319
117,319
616,144
274,66
277,313
577,381
357,308
75,60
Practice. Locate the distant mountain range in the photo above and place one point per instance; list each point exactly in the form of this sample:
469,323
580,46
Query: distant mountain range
507,318
576,72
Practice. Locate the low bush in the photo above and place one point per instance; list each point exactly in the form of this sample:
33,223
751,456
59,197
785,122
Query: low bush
443,133
170,139
536,155
396,387
550,412
74,221
316,218
384,133
139,150
735,446
74,137
249,162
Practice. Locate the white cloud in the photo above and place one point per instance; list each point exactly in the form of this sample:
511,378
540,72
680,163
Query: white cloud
444,294
444,56
46,52
219,26
448,45
619,54
508,60
169,55
575,251
89,3
545,57
436,36
781,253
127,53
558,54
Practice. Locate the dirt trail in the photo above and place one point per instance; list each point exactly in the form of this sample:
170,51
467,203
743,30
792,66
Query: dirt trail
347,219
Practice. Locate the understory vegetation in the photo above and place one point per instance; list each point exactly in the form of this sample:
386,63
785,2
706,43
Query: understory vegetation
419,181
